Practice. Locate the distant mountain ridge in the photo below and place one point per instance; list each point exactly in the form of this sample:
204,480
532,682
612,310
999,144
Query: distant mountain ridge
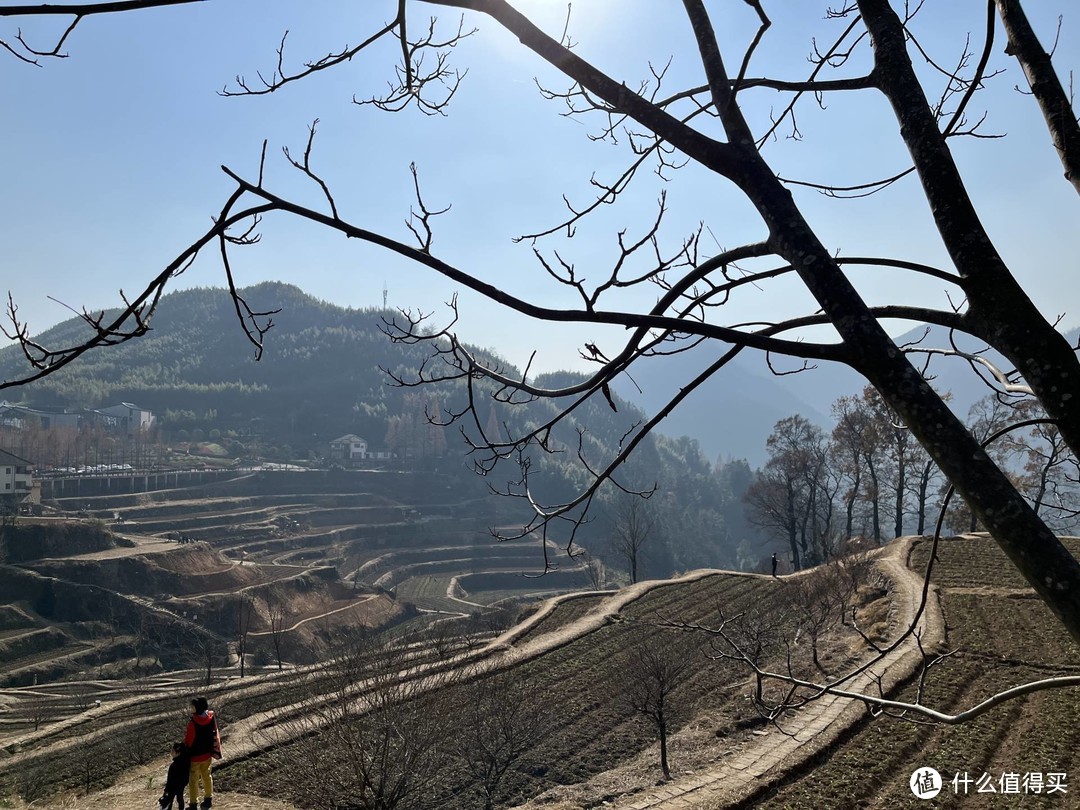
321,361
732,414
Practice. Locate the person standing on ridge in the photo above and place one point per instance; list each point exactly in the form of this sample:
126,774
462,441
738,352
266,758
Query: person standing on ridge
203,743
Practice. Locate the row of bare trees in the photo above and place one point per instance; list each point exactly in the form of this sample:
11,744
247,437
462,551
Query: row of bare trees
413,433
90,444
869,478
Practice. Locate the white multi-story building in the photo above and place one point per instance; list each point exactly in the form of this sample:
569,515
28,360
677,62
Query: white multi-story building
16,482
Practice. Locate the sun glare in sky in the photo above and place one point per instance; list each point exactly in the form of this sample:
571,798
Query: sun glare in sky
117,153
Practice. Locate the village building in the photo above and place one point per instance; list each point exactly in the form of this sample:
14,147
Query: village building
349,447
123,418
16,482
133,419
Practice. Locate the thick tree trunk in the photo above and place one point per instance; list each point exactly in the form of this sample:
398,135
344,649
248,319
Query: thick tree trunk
1045,87
1026,540
997,303
1000,312
999,309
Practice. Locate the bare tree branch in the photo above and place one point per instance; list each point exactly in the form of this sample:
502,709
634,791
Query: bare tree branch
77,12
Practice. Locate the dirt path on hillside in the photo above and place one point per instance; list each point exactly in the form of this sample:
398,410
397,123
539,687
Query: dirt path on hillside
276,576
247,735
771,755
144,544
354,603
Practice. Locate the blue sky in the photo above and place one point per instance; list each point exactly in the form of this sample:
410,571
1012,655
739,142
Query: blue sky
113,155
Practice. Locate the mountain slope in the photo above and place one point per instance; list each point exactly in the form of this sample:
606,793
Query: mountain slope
732,414
320,362
320,378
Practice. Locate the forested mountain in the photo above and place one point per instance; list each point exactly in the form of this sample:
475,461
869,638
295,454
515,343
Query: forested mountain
319,373
320,377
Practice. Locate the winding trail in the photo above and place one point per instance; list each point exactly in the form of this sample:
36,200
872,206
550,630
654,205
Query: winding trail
772,755
143,544
359,601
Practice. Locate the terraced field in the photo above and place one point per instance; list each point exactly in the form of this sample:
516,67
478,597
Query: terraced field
999,635
315,551
359,523
573,658
568,667
301,545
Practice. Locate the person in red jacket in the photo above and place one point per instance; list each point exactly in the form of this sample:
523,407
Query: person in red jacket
203,743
